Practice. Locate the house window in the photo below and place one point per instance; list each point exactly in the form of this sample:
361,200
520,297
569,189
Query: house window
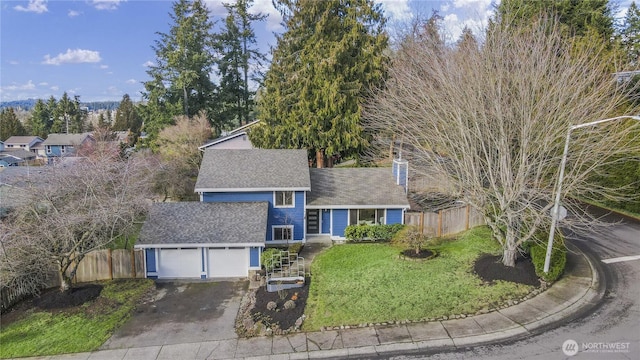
284,199
62,149
48,149
282,233
23,146
366,216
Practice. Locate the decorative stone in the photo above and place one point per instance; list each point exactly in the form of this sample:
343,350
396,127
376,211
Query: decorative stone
289,304
271,305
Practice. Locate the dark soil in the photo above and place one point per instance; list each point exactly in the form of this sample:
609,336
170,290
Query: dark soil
284,318
490,268
53,299
423,254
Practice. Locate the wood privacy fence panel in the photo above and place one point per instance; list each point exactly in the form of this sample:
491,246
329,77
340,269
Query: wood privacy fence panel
445,222
111,264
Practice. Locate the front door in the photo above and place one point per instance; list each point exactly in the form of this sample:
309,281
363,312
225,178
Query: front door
313,221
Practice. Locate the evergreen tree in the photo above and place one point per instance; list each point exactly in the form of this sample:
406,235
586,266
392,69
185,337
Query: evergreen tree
68,118
578,18
330,56
39,121
127,119
10,125
180,83
631,34
236,44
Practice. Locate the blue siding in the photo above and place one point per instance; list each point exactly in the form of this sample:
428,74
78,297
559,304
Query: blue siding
277,216
151,260
340,220
254,257
326,221
394,216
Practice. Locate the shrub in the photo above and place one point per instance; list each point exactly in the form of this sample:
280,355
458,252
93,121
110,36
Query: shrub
267,258
411,237
538,252
371,232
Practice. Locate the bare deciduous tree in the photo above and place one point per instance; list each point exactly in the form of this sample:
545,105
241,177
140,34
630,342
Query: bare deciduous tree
72,210
492,120
178,149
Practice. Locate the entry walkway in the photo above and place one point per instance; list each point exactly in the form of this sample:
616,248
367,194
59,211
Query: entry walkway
579,291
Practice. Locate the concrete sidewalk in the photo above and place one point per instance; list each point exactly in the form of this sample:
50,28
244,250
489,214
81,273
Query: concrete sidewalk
579,291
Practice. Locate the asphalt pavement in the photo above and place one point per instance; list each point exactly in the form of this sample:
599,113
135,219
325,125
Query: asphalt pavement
577,293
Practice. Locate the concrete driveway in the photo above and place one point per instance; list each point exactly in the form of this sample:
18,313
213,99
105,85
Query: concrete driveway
183,312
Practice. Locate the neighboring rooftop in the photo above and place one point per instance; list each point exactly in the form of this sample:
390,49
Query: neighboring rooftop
240,131
22,139
331,187
66,139
205,223
225,170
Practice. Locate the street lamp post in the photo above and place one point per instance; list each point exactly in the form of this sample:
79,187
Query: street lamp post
563,163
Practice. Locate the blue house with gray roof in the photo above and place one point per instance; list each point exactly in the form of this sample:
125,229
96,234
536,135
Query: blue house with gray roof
254,198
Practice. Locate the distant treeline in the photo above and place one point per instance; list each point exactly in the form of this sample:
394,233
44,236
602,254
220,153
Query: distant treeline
30,103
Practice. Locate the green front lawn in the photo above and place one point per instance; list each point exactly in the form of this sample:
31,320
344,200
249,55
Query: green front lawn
80,329
364,283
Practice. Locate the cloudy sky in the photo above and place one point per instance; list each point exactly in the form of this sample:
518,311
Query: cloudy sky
100,49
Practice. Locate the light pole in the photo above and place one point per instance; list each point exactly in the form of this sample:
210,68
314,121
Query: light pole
563,163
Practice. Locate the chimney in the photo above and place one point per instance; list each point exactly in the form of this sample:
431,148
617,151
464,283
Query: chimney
400,170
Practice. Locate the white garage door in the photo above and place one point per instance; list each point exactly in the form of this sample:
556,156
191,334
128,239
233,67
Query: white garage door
231,262
179,263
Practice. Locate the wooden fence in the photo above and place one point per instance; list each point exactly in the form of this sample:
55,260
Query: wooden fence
445,222
96,265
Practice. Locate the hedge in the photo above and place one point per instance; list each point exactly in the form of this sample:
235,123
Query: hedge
355,233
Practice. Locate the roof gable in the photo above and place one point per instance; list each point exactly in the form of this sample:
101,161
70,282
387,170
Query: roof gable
346,187
205,223
225,170
25,140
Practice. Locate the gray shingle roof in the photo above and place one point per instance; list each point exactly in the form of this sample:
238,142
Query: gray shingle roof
65,139
21,139
335,187
205,223
253,169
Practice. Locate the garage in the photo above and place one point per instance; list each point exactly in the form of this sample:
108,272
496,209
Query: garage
179,263
195,240
228,262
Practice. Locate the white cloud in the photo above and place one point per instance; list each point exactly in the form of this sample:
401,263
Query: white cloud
73,13
55,88
43,84
36,6
20,87
73,57
13,62
397,10
106,4
273,20
132,81
104,66
473,14
148,64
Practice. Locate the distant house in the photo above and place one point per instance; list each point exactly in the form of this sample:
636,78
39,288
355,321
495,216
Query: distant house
254,198
26,143
235,139
61,145
16,157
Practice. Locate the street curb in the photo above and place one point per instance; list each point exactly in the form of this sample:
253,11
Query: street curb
591,298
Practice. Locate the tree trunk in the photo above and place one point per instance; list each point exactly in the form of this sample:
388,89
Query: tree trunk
509,257
320,159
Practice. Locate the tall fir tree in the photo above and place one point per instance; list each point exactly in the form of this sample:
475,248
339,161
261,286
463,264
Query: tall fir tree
10,125
331,54
127,119
180,80
238,55
631,35
40,120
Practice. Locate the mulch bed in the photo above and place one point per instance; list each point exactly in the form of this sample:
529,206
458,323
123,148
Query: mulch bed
285,319
490,268
423,254
53,299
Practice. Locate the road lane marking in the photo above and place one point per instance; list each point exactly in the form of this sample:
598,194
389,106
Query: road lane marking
621,259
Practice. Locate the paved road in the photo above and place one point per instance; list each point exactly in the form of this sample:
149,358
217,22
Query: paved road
616,321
